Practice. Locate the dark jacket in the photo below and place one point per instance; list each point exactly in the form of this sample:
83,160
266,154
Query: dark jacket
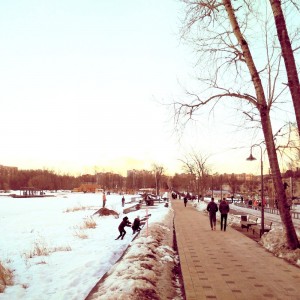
212,208
124,223
136,224
224,207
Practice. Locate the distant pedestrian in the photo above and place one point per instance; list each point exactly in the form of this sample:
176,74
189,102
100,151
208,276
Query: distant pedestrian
123,201
212,208
136,225
224,210
185,200
255,204
103,199
122,226
199,198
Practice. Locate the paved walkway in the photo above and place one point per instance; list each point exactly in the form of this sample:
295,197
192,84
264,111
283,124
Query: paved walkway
228,265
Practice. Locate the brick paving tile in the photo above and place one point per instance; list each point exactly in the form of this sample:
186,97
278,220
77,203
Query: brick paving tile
227,265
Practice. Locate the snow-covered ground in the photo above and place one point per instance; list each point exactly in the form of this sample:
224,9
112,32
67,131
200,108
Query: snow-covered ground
52,254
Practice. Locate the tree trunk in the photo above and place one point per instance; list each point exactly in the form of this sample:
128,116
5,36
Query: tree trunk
291,236
288,56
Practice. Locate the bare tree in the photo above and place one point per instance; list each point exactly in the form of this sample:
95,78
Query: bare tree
229,50
288,56
196,165
289,149
233,183
158,172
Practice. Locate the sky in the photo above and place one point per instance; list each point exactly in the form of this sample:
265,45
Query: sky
75,264
85,87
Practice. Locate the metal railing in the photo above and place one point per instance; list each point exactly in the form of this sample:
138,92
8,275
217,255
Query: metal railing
270,210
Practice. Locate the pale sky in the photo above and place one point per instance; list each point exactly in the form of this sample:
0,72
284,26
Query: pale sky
82,84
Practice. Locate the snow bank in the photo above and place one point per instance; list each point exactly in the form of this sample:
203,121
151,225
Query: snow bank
145,271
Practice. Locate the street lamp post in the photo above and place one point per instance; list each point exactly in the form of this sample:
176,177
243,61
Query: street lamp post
212,187
221,187
251,158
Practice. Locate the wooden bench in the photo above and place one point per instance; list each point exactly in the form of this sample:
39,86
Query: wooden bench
257,228
252,220
132,208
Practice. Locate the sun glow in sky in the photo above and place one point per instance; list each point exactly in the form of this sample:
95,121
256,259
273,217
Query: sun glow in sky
82,87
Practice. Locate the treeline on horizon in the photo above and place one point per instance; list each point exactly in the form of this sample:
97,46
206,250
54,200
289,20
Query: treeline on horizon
49,180
14,179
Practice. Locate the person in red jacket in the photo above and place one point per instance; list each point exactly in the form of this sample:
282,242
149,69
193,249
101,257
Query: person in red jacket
212,209
224,210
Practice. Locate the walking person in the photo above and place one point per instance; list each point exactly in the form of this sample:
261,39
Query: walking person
255,204
103,199
212,209
224,210
123,201
199,198
122,226
185,201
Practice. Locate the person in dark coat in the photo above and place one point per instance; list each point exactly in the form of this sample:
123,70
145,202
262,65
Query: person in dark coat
185,200
103,199
122,226
212,209
123,201
224,210
136,226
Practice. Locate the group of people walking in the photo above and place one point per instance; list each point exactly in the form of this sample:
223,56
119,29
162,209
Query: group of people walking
212,209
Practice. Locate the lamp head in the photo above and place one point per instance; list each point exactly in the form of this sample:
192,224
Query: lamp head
251,157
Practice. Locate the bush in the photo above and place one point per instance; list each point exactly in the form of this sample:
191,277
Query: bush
6,277
89,223
81,234
76,208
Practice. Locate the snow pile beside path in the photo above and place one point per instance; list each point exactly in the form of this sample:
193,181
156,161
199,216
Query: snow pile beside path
145,271
201,206
274,241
